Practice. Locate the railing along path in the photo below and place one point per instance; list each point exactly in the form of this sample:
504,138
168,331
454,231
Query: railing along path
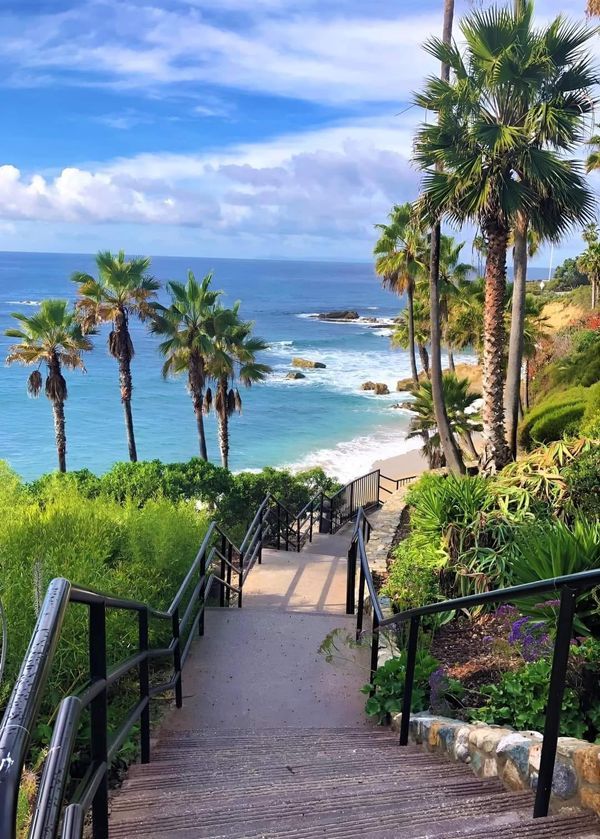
569,587
219,562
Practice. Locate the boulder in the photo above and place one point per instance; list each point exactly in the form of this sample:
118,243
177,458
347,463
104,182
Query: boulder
381,389
307,364
368,386
342,314
295,374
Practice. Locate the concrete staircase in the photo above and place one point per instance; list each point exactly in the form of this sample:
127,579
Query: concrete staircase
273,742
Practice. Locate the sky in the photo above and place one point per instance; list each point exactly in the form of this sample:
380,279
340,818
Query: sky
231,128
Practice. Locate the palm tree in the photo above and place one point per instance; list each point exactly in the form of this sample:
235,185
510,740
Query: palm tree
453,274
462,421
493,167
187,344
400,255
449,445
401,335
593,160
52,337
123,289
534,331
589,261
233,358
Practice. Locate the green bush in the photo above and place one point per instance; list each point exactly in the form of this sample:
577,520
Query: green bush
441,502
519,700
388,685
583,483
549,419
414,577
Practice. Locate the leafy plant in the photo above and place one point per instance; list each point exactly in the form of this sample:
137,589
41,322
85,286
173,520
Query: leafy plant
388,685
520,698
414,576
582,477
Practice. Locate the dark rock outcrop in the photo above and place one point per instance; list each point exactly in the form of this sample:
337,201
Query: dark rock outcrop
307,364
342,314
295,374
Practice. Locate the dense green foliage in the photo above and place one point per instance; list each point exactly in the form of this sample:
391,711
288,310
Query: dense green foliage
388,685
559,415
567,276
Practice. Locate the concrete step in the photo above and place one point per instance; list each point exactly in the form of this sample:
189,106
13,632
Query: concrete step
318,783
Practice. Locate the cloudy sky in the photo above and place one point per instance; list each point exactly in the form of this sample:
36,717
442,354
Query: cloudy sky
211,127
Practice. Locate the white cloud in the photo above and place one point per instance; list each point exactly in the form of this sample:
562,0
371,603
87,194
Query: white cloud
330,184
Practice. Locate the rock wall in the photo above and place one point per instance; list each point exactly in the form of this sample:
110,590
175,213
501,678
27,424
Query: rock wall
513,756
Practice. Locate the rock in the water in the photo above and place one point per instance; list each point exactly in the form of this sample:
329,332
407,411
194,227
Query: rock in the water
381,389
342,314
308,364
368,386
295,374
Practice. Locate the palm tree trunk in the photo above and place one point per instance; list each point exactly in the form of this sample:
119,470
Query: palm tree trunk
468,438
195,380
58,409
410,293
449,445
122,341
223,422
451,364
424,356
496,453
517,324
527,377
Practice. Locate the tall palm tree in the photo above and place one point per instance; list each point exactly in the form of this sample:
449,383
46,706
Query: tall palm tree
449,445
459,406
233,359
465,318
123,289
400,255
589,261
534,331
556,75
52,337
187,346
593,160
493,167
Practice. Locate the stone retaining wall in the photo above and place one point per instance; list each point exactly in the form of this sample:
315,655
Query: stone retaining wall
514,757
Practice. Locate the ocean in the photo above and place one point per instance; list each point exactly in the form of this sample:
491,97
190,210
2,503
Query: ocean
324,419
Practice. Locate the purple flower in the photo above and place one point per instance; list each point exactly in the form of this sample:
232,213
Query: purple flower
516,633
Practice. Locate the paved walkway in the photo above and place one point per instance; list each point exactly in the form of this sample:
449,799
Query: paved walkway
273,743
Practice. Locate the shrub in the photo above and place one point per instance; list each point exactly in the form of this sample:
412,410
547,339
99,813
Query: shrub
414,577
388,685
583,482
519,700
549,419
441,502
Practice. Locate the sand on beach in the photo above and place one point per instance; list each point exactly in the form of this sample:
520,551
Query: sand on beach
403,465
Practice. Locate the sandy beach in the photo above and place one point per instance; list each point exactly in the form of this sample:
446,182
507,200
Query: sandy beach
403,465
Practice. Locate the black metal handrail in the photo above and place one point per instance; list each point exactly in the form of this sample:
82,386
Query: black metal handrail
185,616
397,482
569,586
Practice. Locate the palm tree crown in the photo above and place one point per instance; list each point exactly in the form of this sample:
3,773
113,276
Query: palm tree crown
53,337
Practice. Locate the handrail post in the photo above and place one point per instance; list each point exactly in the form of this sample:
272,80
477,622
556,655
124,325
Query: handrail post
144,677
230,562
556,692
411,658
351,512
321,510
260,536
278,525
361,602
98,716
177,659
351,578
287,529
374,649
310,529
297,535
202,593
241,579
378,485
223,566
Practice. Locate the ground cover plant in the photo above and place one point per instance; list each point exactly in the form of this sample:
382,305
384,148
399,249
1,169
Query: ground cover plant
538,518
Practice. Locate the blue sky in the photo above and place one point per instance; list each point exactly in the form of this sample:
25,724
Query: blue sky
211,127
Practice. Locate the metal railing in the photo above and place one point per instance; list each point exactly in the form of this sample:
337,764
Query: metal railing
395,483
219,562
569,586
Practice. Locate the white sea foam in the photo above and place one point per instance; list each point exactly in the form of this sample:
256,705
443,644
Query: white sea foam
352,458
24,302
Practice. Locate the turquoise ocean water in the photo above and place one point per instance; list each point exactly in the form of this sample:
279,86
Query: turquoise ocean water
324,419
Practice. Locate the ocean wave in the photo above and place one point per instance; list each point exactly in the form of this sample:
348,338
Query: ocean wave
24,302
351,458
277,346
